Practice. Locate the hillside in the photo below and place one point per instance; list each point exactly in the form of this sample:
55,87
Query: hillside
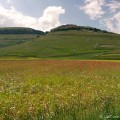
14,35
70,44
19,30
7,40
75,27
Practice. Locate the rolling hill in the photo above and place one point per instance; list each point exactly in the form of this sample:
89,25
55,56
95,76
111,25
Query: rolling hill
75,27
15,35
67,44
19,30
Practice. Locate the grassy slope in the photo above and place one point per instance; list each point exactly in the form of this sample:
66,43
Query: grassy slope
11,40
70,45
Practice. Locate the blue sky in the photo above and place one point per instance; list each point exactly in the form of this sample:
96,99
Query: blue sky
47,14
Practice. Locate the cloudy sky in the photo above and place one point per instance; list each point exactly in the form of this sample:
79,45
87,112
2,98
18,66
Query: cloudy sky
47,14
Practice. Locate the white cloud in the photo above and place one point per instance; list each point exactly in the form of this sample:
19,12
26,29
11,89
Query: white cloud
93,8
113,5
113,23
8,1
14,18
50,18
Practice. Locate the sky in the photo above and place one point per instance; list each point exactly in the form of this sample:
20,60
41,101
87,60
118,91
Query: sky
47,14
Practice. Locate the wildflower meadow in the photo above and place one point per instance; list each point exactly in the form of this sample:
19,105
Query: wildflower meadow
59,90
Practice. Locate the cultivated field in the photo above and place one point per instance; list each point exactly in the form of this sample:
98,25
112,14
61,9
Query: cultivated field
59,90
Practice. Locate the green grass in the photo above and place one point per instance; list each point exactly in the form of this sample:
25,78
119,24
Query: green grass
68,45
59,90
11,40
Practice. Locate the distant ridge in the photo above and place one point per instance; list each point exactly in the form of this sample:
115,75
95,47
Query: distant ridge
75,27
19,30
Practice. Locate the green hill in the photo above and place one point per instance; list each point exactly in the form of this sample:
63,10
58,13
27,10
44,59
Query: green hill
15,39
13,36
75,27
19,30
68,44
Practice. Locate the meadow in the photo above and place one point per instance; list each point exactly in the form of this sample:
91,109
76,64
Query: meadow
59,90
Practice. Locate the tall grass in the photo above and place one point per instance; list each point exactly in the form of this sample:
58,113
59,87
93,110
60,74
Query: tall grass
59,90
